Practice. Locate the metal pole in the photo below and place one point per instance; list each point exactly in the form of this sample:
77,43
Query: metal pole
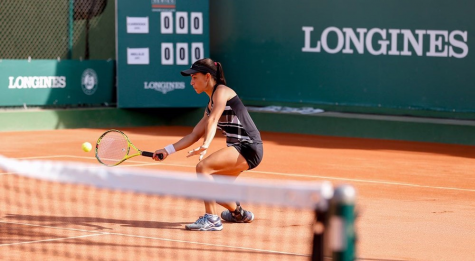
71,29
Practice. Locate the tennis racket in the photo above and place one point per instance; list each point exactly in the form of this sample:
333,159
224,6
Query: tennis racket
114,147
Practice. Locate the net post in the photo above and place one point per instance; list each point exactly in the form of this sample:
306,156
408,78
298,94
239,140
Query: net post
341,223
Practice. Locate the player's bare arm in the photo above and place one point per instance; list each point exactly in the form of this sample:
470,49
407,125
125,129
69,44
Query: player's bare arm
188,140
220,98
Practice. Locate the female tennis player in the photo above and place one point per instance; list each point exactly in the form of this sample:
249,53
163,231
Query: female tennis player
244,151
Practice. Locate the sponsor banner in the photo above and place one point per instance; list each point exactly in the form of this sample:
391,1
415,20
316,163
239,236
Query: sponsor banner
52,82
381,55
441,43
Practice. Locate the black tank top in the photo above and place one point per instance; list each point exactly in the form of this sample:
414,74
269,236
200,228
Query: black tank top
235,122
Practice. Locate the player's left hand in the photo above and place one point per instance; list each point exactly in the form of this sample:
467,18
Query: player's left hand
198,151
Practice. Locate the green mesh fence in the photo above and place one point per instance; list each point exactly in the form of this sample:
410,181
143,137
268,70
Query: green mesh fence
48,29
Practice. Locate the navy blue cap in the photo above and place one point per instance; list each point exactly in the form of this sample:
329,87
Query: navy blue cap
195,68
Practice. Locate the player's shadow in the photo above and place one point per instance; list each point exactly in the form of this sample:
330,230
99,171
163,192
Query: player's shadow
93,222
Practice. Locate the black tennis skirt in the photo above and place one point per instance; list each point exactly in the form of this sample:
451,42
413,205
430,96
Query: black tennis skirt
251,151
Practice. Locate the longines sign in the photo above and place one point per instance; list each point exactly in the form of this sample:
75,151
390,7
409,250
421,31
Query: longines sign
50,82
22,82
377,41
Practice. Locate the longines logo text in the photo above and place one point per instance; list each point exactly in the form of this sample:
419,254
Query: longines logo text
22,82
441,43
164,87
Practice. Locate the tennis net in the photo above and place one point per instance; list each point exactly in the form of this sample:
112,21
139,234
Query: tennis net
71,211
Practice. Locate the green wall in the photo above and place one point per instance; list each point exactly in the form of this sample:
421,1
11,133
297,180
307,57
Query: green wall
299,53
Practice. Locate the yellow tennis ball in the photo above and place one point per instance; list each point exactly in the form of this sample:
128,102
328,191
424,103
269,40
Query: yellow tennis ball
86,146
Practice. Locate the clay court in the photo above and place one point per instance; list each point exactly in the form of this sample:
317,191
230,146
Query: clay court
415,200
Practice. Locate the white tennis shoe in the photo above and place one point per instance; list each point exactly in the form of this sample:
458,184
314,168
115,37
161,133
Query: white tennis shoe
207,222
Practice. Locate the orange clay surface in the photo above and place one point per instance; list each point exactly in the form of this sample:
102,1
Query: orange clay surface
416,201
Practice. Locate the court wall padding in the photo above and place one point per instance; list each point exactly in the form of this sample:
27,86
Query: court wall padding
381,57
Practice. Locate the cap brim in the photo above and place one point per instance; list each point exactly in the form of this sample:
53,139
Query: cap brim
188,72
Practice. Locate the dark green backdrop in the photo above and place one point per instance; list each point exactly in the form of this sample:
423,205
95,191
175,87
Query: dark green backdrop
260,45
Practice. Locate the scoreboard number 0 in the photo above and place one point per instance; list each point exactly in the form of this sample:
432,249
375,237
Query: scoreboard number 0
167,53
182,53
196,23
181,20
166,22
197,52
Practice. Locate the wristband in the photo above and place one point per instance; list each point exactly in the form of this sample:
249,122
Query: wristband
170,149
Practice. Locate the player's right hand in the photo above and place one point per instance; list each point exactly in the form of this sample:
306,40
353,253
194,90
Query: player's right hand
163,152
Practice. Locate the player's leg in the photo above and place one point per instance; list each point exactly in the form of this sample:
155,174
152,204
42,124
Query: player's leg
229,176
234,212
229,163
226,161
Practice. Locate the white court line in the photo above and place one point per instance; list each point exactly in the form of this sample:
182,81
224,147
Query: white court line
365,181
137,236
381,182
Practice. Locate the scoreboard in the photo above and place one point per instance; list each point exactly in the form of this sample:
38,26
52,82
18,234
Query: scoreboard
156,39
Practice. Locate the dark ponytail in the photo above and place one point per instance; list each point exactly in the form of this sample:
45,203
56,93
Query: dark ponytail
213,68
220,74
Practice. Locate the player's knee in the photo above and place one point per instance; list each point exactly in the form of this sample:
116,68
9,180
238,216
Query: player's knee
202,169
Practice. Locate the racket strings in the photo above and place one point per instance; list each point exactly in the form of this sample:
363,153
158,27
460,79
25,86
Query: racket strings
112,148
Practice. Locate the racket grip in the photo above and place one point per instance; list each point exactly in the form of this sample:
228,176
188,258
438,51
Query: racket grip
150,154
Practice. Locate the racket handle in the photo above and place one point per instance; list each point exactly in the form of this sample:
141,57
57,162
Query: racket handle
150,154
